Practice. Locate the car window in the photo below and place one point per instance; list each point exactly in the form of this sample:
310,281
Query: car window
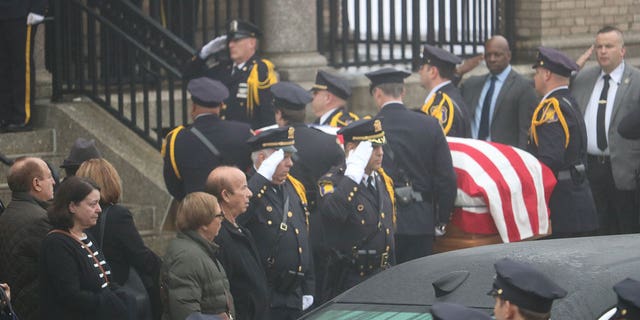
347,311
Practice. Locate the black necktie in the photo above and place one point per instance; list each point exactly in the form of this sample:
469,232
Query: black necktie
371,184
602,108
483,132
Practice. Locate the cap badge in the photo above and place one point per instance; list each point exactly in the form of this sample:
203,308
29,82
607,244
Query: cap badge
291,130
377,126
233,27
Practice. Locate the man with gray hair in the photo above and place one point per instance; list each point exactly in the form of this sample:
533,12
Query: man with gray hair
23,225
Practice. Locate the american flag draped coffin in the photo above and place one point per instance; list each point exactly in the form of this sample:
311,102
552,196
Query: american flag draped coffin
501,190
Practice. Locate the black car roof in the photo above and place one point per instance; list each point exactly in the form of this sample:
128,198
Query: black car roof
586,267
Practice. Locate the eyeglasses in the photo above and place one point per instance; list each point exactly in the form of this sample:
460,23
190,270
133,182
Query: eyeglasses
219,215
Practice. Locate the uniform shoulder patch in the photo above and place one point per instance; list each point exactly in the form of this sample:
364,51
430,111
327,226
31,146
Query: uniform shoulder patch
326,187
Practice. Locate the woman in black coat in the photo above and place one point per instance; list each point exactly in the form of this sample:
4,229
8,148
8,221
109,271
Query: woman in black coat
75,279
122,244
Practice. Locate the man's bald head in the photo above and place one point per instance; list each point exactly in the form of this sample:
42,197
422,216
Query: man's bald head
229,185
32,175
220,179
497,54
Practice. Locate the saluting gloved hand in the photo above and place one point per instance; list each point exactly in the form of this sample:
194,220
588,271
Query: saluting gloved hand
215,45
357,161
307,301
269,165
441,230
34,18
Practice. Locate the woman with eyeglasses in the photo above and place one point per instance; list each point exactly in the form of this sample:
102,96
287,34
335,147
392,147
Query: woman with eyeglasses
195,282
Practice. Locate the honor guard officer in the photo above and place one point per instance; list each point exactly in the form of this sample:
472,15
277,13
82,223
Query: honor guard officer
522,292
418,160
278,219
330,94
628,291
247,76
451,311
191,153
558,139
358,203
444,101
316,153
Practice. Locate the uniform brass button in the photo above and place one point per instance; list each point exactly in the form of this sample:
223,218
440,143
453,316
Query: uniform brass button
362,274
269,222
299,268
349,198
362,221
388,231
259,195
224,107
269,209
223,117
387,249
297,231
382,215
300,249
355,188
351,194
290,214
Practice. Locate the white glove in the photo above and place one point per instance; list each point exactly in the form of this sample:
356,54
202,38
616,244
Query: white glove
269,165
34,18
307,301
215,45
441,230
357,161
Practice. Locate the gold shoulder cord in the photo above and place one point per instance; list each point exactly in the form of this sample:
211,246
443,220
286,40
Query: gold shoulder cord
437,112
254,84
388,183
302,193
171,138
550,108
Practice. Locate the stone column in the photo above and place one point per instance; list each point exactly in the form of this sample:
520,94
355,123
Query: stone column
290,38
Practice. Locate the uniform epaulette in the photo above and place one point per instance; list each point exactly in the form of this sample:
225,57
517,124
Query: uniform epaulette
549,111
444,110
342,119
388,183
171,140
254,84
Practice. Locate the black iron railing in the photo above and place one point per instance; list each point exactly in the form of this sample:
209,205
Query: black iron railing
122,60
378,32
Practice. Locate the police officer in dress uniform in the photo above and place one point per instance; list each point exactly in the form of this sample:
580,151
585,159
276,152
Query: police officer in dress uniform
418,160
522,292
191,153
316,153
359,206
247,76
444,101
628,307
558,139
451,311
330,94
278,219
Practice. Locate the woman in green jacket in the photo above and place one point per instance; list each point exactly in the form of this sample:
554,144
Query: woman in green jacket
195,281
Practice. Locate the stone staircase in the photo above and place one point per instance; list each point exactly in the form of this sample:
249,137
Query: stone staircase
57,125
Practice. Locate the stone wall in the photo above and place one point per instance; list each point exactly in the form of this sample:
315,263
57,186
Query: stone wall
571,25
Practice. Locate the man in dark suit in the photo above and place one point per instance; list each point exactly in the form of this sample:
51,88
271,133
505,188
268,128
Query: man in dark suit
418,160
444,101
247,76
278,219
191,153
500,104
238,252
357,202
558,139
330,94
606,95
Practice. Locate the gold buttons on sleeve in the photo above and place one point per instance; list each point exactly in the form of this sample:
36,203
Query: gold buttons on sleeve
269,222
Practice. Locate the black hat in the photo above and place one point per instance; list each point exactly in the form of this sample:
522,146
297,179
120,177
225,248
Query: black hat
81,151
239,29
386,75
278,138
333,84
439,57
555,61
207,92
364,130
288,95
525,286
451,311
628,291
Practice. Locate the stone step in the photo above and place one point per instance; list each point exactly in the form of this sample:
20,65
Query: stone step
36,142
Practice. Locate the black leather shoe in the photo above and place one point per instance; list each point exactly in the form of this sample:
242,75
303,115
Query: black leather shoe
17,127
